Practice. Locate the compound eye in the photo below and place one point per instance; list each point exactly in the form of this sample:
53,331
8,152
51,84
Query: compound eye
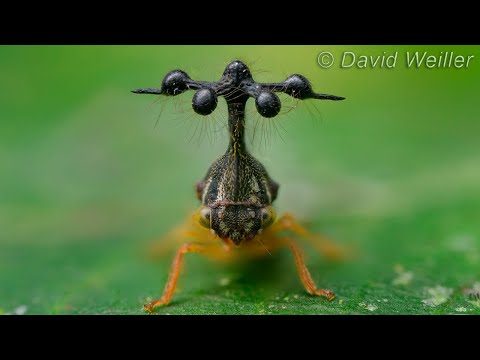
175,82
205,217
268,216
298,86
268,104
204,101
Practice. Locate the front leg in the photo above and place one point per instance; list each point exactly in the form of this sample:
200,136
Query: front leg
192,247
304,274
270,240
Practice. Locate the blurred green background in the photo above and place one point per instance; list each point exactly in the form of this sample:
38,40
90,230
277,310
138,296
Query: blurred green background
88,180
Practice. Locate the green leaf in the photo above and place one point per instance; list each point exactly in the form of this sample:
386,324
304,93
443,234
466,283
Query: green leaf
88,181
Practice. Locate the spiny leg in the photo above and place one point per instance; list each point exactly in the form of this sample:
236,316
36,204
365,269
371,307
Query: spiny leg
274,243
191,247
321,243
304,274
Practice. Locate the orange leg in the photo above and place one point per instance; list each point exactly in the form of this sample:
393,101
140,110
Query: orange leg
175,270
188,230
305,274
322,244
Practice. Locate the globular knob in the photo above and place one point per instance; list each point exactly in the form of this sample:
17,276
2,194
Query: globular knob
204,101
268,104
175,82
298,86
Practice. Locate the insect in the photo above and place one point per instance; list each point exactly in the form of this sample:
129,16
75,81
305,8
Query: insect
236,218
